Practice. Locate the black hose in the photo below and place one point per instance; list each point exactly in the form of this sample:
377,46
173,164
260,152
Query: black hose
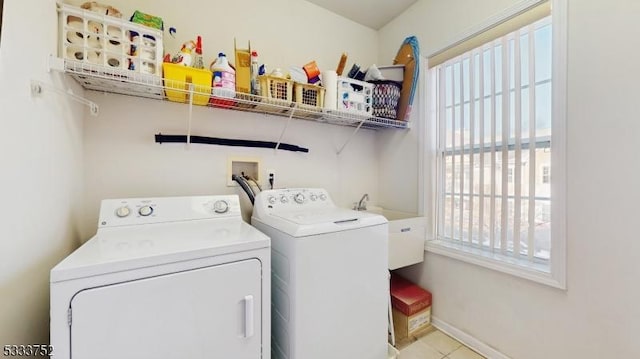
160,138
245,186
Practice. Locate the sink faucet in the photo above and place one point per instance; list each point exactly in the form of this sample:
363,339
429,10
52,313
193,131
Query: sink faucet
362,204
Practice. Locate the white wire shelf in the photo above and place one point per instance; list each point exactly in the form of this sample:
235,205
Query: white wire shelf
126,82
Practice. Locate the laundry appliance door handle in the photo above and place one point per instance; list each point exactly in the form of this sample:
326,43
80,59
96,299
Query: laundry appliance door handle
248,316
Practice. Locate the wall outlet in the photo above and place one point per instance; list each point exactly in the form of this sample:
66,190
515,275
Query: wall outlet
242,165
269,173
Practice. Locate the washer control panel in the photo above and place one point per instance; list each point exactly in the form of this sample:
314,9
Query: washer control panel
136,211
292,199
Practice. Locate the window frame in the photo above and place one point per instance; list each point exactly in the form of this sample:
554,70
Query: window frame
553,271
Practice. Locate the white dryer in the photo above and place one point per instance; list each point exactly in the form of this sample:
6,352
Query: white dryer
176,277
330,288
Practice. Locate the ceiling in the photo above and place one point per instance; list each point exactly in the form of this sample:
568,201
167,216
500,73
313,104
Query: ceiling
372,13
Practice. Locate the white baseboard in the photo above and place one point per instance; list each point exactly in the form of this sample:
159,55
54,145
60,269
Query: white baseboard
467,339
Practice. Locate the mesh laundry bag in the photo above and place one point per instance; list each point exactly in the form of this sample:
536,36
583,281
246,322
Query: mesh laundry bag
386,95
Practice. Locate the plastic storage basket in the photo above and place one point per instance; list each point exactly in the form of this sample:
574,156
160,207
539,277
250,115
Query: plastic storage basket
277,92
386,95
178,79
309,98
108,42
355,97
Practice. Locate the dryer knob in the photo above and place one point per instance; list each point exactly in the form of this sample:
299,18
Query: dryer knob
313,197
299,198
145,211
221,207
271,200
123,211
284,199
323,196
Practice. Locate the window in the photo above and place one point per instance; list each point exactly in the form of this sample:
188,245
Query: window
493,108
546,174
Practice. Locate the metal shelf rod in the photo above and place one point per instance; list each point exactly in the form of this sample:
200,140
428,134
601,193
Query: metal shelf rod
350,138
38,86
293,110
190,116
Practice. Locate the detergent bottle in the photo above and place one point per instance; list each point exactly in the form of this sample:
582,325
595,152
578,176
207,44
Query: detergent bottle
255,86
224,81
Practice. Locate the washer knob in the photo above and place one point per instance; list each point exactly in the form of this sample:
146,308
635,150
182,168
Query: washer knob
313,197
123,211
299,198
284,199
271,200
221,207
145,211
323,196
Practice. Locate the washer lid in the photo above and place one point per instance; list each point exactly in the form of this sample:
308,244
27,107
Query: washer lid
125,248
301,223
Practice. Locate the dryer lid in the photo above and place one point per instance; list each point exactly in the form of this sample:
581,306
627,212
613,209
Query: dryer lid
125,248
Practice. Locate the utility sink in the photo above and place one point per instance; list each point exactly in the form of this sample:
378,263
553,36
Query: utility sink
407,233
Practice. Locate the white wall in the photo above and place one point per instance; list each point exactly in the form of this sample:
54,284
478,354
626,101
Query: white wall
40,182
398,165
597,316
122,160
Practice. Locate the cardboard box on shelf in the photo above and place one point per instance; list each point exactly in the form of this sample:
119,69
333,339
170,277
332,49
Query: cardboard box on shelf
243,68
392,72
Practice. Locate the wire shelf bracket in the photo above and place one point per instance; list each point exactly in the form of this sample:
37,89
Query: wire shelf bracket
190,116
350,137
37,87
293,110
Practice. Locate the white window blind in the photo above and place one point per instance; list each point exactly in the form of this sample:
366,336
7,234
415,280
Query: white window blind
494,110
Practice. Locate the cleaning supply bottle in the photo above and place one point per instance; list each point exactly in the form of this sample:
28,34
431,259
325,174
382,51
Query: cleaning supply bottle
224,81
255,86
185,56
198,61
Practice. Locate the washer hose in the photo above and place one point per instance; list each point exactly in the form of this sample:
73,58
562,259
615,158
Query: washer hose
245,186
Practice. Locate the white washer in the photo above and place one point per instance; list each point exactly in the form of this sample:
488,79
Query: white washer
330,288
177,277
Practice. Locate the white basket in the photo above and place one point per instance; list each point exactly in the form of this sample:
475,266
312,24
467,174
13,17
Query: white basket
355,96
107,41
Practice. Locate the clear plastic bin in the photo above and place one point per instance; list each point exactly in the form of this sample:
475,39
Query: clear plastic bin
355,96
108,42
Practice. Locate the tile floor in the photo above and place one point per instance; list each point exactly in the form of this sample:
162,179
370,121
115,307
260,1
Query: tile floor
435,345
